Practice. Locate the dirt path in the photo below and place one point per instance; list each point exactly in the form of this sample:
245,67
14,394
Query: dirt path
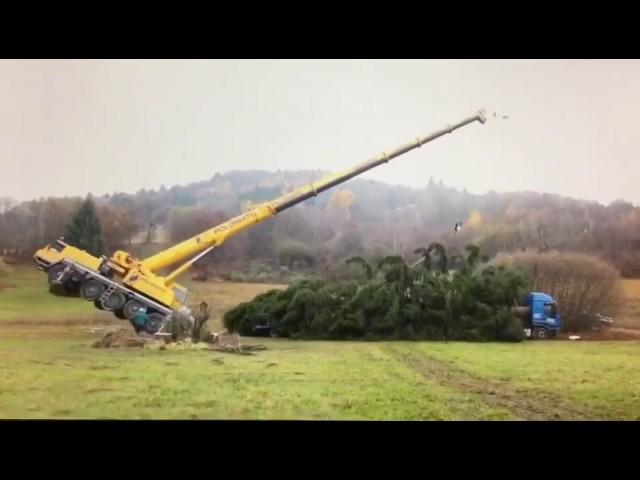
526,405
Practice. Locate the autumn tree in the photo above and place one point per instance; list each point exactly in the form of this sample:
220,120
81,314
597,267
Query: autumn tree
118,226
342,201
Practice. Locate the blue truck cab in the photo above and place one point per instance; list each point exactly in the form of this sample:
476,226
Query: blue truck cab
543,320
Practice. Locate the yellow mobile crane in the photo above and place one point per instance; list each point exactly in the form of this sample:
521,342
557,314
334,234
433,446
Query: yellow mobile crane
124,284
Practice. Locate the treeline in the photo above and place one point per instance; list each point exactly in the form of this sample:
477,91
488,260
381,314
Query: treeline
362,217
30,225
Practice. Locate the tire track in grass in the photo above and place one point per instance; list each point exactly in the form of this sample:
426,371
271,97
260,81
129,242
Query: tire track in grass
528,405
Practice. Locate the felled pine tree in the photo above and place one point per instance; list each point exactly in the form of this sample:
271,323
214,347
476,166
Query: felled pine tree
394,301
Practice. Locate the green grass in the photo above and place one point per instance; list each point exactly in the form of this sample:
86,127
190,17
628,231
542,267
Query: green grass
597,379
24,296
68,379
62,377
49,370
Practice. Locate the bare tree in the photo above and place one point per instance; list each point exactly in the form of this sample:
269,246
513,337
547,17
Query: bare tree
582,284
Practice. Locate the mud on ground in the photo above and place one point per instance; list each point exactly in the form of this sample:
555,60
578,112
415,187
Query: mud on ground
609,333
5,286
122,338
126,338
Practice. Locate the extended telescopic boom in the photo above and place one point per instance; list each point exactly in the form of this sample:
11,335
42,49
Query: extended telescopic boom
217,235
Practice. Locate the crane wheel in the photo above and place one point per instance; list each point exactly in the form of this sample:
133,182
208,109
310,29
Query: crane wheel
114,301
72,288
154,323
54,273
119,314
92,290
131,308
98,304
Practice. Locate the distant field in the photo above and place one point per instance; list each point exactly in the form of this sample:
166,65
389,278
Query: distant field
222,296
630,315
24,298
49,370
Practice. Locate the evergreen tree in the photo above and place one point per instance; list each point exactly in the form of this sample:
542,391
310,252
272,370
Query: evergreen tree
84,231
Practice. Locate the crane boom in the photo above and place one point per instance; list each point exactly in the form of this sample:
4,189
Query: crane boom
125,284
218,234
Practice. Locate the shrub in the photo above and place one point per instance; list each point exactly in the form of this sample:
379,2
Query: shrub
582,284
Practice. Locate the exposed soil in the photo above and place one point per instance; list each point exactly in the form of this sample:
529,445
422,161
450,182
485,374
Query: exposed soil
527,405
611,333
126,338
6,286
123,338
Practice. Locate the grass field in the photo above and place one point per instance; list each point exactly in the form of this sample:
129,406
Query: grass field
49,370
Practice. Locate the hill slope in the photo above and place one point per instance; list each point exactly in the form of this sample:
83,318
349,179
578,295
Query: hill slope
359,217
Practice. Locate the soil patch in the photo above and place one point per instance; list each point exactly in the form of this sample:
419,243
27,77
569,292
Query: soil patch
612,333
123,338
126,338
6,286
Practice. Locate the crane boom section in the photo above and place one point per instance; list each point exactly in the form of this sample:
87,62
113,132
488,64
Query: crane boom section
217,235
311,190
210,238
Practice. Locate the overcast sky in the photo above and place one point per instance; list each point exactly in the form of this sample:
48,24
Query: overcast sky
70,127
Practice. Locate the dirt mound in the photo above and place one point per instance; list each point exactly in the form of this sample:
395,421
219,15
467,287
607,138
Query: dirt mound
123,338
126,338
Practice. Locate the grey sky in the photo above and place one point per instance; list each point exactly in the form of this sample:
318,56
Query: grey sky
69,127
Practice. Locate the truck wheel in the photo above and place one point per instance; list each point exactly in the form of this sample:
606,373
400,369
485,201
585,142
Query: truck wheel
114,301
119,314
92,290
131,308
540,333
154,322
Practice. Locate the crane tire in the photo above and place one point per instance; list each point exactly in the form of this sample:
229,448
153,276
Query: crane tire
154,323
54,272
92,290
131,308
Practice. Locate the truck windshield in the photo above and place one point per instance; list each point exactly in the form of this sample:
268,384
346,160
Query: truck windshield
550,310
57,246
